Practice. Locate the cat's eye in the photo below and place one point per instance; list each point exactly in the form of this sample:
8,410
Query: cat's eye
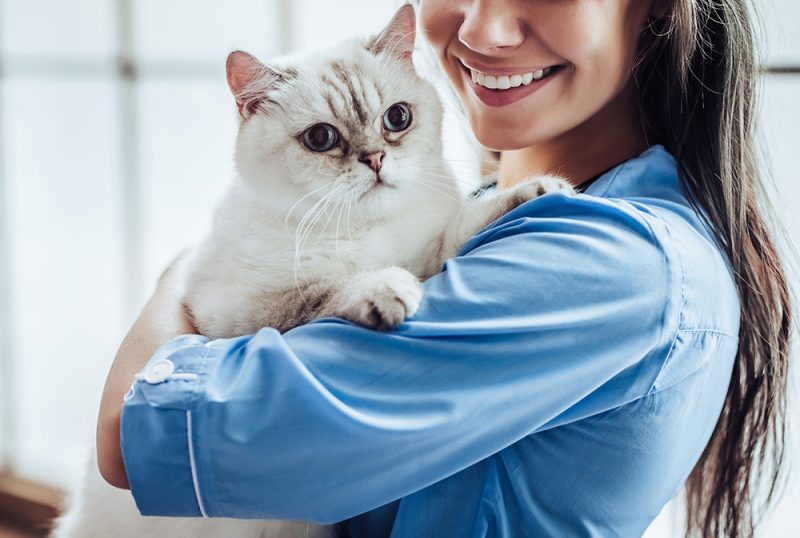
397,118
321,137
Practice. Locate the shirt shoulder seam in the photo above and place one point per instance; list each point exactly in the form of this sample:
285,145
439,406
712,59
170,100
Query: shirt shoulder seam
674,267
709,330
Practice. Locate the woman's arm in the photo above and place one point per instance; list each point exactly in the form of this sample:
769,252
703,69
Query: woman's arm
161,320
563,309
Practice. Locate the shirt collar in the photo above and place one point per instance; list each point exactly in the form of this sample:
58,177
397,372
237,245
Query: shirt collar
654,173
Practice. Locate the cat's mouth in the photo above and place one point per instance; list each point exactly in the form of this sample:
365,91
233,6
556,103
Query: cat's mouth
379,183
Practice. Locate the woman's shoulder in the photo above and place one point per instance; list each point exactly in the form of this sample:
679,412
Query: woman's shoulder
626,197
650,189
636,226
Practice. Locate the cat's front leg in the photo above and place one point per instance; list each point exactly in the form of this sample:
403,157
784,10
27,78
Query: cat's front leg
377,299
477,214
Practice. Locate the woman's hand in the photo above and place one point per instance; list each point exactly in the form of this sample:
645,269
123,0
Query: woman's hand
162,319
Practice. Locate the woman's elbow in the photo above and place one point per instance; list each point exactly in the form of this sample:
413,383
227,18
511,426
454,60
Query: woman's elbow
109,454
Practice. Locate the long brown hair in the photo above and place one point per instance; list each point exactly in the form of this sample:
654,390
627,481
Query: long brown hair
697,77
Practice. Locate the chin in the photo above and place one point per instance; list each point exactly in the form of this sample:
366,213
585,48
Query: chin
508,134
498,138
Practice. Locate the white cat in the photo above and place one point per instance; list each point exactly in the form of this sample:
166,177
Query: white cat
340,206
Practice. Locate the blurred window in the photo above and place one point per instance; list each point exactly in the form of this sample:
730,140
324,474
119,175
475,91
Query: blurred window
117,135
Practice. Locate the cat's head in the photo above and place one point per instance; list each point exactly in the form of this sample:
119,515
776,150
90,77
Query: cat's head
355,123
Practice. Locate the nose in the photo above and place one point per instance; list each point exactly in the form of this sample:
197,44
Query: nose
489,26
374,160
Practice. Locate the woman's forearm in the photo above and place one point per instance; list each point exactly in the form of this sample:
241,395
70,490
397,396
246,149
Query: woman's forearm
161,319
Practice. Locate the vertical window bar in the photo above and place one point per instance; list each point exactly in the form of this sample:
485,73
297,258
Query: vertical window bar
128,126
285,16
6,348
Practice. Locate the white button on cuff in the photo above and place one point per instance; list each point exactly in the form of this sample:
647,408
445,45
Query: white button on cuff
159,371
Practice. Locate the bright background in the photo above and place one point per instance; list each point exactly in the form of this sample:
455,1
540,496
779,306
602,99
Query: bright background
116,132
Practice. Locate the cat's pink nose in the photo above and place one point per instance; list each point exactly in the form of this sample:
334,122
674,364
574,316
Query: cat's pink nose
373,160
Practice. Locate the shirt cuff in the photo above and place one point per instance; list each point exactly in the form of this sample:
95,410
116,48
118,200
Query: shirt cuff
156,429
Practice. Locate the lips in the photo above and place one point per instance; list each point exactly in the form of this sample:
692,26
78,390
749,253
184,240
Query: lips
504,86
505,82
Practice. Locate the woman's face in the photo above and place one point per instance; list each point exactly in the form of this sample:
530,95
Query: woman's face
530,71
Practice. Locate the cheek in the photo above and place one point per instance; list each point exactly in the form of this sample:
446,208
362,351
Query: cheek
439,22
601,45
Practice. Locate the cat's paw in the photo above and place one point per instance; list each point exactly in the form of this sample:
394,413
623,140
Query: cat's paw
534,188
380,299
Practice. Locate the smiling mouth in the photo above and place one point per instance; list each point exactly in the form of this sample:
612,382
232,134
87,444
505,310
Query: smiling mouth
507,82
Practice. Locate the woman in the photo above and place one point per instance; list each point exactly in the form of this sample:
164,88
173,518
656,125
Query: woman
568,372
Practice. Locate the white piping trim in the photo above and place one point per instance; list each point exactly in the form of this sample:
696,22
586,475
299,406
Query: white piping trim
181,375
178,375
193,465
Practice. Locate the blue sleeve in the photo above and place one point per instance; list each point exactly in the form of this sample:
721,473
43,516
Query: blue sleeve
561,309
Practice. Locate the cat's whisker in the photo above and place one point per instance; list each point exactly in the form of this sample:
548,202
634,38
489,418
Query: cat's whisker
462,188
442,192
350,201
442,181
322,211
452,164
291,209
304,228
331,213
470,160
309,225
433,172
338,222
309,215
441,184
438,171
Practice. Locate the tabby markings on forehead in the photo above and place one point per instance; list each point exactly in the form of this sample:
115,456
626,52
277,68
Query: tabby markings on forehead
337,109
345,78
331,104
360,81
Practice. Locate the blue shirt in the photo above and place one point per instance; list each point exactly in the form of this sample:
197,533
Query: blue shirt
561,378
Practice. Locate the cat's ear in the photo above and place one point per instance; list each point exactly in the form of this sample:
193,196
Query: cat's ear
397,38
249,81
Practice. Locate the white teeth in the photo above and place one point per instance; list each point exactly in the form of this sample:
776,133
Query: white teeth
504,82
